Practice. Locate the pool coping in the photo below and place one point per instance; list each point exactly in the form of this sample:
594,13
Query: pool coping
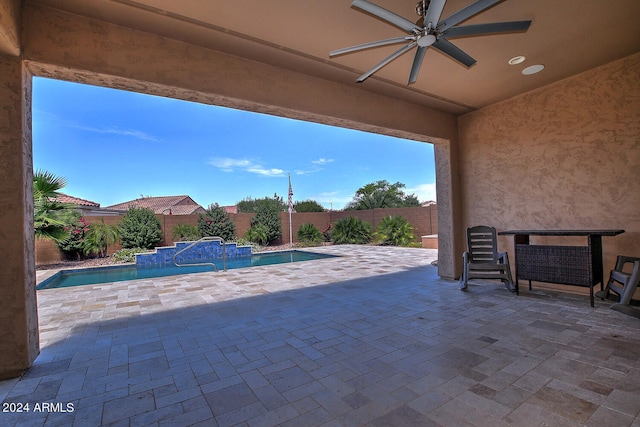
44,277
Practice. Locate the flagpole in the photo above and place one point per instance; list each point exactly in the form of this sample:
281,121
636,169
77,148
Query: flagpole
290,210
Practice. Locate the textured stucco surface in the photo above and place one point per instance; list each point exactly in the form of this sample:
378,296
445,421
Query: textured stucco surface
566,156
10,27
448,188
18,316
101,53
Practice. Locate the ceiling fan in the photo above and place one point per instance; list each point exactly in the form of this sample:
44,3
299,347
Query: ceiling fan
430,30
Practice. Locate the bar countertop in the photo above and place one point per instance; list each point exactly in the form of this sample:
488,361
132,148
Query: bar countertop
612,232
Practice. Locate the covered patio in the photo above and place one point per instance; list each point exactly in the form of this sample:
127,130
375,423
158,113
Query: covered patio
381,337
374,337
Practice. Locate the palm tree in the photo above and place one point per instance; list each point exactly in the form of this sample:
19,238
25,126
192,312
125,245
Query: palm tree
185,232
46,206
99,236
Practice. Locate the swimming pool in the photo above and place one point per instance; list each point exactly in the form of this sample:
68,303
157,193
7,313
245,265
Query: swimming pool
118,273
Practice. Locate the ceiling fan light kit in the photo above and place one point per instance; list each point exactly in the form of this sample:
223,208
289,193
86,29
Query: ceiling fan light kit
430,31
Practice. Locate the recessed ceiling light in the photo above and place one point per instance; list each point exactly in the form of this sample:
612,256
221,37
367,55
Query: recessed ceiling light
517,60
533,69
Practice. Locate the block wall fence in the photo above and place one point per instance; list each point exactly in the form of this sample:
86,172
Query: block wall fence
423,219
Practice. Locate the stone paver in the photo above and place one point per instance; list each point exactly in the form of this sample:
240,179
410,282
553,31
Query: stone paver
371,338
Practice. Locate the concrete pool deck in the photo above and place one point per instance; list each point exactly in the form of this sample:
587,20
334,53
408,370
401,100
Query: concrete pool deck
372,338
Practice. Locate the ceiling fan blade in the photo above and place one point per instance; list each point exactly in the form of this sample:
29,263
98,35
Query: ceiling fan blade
433,12
453,51
465,13
370,45
485,29
385,15
417,62
386,61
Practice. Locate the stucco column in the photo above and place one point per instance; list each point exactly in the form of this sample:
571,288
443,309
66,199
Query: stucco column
19,344
449,250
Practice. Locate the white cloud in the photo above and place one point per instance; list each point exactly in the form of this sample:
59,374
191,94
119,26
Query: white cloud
266,172
307,171
227,164
315,168
424,192
127,132
321,161
131,133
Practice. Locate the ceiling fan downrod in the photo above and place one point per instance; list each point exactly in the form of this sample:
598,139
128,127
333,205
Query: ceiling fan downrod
421,7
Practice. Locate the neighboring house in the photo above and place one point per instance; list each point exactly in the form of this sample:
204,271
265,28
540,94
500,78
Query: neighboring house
86,207
230,209
428,203
164,205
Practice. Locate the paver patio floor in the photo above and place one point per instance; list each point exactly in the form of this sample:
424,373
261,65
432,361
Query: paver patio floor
371,338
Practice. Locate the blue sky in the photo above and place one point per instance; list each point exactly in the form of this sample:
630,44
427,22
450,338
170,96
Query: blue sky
113,146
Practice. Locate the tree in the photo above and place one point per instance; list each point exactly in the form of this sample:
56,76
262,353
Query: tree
216,222
99,237
268,214
249,205
308,206
382,194
140,228
47,209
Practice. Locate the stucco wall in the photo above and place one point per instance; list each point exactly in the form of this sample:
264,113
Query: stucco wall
566,156
423,219
10,27
18,308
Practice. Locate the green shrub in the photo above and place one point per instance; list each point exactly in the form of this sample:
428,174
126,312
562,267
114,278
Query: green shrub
250,205
394,231
99,237
128,255
351,230
140,228
244,242
326,233
309,233
268,214
258,233
308,206
216,222
73,246
185,232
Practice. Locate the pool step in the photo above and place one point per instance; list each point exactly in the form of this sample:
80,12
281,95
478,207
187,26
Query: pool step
206,251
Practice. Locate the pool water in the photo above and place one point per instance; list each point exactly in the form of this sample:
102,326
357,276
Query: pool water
118,273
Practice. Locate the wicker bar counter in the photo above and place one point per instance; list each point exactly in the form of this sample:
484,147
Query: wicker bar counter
568,265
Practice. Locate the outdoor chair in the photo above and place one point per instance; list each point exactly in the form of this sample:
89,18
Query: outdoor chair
623,283
482,259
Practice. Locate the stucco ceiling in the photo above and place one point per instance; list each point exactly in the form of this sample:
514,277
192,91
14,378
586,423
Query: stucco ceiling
566,36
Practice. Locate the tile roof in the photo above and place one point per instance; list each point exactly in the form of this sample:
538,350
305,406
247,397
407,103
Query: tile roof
169,205
65,198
